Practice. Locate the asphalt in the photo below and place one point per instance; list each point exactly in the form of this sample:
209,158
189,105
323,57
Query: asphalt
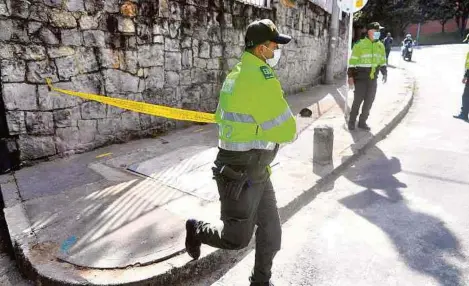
398,216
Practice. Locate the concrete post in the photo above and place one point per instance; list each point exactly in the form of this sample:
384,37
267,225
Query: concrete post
333,40
323,145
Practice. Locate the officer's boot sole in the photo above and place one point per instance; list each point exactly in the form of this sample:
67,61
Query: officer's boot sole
261,284
192,243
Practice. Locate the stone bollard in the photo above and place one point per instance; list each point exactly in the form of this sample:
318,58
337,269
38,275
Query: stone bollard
323,144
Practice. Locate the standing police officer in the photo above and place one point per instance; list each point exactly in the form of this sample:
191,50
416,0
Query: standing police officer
367,59
465,96
253,118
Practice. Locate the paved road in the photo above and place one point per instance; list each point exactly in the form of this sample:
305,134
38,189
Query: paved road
399,215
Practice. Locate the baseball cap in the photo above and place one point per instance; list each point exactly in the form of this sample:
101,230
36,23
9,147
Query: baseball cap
374,26
264,30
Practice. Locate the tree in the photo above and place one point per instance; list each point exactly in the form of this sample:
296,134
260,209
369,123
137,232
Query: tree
462,13
395,16
440,10
444,13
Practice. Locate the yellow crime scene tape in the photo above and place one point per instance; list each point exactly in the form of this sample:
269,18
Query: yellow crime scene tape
141,107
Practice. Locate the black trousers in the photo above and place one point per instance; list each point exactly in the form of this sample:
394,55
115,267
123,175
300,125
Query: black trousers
465,101
257,205
365,92
387,54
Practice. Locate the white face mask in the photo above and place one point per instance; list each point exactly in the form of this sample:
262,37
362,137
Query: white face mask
274,61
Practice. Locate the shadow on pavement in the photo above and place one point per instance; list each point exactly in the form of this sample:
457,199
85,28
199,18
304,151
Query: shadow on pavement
113,226
323,170
421,239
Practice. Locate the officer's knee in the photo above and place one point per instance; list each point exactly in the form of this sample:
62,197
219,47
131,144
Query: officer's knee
237,234
240,242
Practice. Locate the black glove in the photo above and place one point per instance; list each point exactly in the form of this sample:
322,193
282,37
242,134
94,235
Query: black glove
385,78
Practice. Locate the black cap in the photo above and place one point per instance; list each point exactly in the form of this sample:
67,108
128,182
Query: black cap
374,26
264,30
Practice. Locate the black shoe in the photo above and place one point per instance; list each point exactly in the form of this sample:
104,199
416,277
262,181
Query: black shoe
364,126
261,284
460,116
351,126
192,243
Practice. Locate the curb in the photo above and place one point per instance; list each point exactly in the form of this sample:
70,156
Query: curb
47,271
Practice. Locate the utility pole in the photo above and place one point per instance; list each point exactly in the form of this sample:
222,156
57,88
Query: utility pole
418,34
333,40
349,54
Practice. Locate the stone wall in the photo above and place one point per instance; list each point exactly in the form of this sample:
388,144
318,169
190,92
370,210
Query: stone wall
173,53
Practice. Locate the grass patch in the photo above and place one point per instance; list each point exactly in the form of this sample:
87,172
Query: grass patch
440,39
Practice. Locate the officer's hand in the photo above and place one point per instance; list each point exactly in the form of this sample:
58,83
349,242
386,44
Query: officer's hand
385,78
464,80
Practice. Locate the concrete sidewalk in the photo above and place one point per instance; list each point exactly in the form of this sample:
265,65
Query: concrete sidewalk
115,216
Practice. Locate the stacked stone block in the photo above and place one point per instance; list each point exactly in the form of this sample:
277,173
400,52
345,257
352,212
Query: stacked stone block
166,52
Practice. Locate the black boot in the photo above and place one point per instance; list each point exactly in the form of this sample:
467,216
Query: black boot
261,284
364,126
461,116
192,243
351,125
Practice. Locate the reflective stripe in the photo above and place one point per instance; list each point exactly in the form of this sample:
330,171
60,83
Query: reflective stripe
246,146
287,114
354,57
363,66
367,56
237,117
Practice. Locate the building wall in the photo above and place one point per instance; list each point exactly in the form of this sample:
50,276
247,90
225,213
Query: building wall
172,53
432,27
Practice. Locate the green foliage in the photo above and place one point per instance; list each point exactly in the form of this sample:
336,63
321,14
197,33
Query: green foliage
440,10
396,15
444,11
462,13
393,15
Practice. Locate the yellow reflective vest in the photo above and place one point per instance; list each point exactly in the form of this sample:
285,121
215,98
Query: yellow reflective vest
367,59
252,112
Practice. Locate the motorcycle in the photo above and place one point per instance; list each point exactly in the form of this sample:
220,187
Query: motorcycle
407,51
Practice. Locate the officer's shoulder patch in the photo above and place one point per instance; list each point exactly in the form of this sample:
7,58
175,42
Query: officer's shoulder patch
266,72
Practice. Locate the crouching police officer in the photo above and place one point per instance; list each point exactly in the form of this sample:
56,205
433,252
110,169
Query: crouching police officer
253,118
464,114
367,59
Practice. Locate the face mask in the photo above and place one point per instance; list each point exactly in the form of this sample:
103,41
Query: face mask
376,35
273,61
